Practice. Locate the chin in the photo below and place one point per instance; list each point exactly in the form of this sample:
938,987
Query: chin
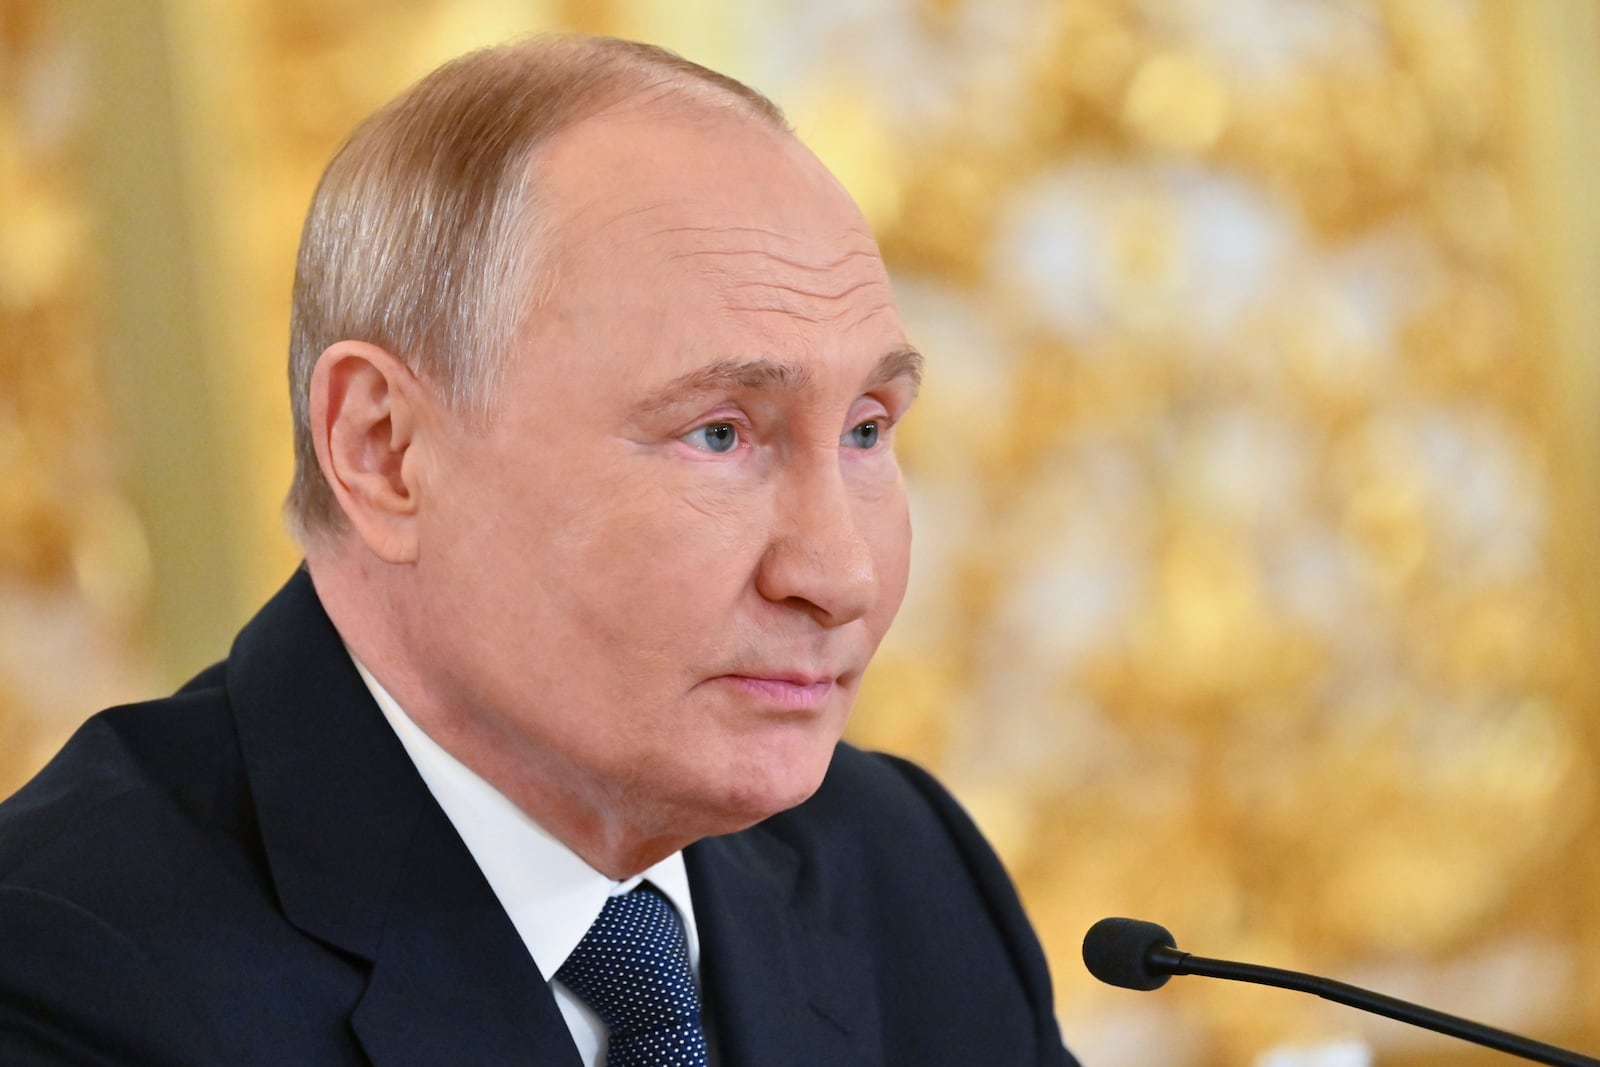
758,789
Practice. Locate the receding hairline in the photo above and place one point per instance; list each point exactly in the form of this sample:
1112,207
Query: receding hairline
628,75
681,99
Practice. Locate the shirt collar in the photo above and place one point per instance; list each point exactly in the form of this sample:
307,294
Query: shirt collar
550,894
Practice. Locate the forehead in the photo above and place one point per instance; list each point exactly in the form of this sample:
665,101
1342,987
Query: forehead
691,160
714,214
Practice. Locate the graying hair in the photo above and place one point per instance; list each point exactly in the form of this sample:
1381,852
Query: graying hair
423,236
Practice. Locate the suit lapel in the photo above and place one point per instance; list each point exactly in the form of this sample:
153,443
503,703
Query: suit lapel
449,985
363,858
784,988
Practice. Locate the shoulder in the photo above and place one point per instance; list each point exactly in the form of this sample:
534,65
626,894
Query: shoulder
133,790
88,854
73,990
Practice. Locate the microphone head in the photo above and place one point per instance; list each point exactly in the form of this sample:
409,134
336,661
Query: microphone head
1116,951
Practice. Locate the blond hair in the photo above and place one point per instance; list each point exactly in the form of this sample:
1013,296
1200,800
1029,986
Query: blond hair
423,236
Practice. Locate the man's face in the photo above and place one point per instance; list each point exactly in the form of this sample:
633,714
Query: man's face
658,579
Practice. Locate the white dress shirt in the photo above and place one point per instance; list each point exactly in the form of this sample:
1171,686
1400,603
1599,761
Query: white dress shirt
551,895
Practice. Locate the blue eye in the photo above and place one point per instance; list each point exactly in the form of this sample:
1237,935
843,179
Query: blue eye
863,436
714,437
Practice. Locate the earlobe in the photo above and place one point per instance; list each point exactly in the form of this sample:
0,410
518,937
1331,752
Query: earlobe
363,422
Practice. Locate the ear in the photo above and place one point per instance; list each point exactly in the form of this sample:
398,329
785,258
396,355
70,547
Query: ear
364,419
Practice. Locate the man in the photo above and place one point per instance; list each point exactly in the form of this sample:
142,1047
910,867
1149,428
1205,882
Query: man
595,374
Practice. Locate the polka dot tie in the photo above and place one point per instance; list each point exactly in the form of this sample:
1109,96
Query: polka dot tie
632,968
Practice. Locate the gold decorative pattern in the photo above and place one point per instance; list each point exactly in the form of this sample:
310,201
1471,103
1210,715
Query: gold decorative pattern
1246,595
73,563
1241,609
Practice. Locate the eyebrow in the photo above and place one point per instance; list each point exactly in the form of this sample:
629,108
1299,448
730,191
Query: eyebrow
902,361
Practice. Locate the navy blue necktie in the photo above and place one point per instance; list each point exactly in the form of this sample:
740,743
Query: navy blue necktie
632,968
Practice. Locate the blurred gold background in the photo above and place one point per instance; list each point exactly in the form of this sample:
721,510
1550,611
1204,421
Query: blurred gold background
1255,481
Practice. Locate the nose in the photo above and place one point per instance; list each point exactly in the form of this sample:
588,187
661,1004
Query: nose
818,559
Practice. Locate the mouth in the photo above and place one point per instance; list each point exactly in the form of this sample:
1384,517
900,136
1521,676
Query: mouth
790,692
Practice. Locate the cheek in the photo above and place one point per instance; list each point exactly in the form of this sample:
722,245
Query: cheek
655,564
884,519
895,565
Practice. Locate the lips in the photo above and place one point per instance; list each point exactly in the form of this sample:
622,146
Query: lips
789,691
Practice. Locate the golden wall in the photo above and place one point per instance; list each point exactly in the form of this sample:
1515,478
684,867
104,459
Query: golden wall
1255,479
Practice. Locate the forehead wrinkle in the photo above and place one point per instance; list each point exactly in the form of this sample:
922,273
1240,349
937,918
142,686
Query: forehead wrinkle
795,290
615,217
816,268
765,231
807,305
885,308
735,243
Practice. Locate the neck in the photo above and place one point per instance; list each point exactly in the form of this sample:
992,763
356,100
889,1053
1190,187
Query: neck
604,826
614,833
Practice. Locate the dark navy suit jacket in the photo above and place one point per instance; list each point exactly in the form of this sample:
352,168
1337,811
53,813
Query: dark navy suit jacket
252,872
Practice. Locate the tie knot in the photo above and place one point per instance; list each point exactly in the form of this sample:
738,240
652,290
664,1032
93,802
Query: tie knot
632,967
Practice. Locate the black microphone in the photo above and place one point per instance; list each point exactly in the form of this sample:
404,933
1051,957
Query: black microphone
1141,955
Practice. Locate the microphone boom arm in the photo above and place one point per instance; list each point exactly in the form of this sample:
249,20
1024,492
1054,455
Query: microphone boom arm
1166,960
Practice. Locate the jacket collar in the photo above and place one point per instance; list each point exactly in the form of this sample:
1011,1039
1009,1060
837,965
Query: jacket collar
363,859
